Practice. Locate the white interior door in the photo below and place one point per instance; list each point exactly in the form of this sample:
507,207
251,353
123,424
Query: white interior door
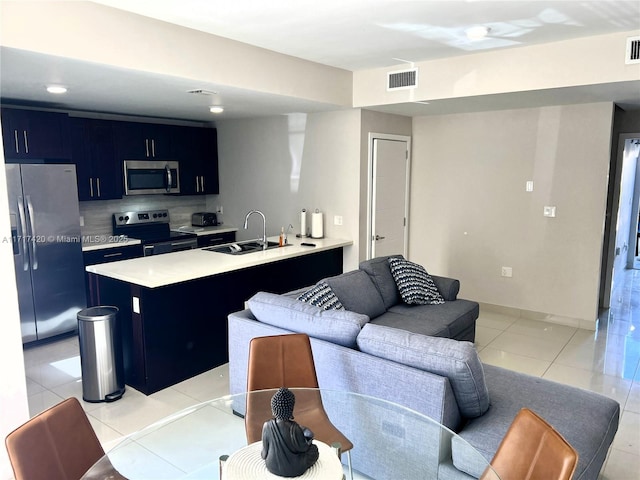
389,195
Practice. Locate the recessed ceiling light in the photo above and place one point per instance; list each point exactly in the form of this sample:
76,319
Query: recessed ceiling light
56,89
477,33
216,109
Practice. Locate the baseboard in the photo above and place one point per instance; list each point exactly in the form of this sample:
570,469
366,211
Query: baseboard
541,316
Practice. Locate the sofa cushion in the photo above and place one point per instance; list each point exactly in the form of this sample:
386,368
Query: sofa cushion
587,420
449,319
458,361
379,271
414,283
337,326
321,296
357,293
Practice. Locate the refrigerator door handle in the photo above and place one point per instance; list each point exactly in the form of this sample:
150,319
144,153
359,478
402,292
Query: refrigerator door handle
23,231
32,234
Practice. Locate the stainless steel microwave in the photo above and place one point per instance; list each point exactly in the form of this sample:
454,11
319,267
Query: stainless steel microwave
146,177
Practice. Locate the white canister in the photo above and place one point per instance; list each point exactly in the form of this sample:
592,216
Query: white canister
317,221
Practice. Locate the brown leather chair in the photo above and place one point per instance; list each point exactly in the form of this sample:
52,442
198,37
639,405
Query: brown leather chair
57,444
533,450
287,361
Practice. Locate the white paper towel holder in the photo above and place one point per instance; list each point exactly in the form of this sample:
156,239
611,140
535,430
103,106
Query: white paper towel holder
317,224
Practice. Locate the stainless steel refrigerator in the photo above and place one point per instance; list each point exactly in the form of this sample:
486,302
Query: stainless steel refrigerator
47,248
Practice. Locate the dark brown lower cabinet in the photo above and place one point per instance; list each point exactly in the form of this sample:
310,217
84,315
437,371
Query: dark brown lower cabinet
181,329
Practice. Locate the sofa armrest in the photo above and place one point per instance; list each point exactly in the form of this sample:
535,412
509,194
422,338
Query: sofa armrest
448,287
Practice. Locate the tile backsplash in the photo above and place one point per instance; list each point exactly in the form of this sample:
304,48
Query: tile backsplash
97,214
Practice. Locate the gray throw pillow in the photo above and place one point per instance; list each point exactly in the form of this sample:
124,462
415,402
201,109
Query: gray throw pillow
415,285
321,296
456,360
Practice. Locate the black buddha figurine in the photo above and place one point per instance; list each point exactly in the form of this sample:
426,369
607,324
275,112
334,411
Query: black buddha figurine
287,447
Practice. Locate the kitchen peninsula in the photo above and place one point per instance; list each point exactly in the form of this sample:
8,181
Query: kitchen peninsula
174,307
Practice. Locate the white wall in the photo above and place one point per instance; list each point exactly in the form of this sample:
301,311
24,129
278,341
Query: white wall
282,164
14,409
470,214
524,69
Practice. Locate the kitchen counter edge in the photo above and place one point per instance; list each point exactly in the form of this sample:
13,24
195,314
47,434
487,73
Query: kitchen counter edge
161,270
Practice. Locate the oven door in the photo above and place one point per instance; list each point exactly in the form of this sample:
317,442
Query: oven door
148,177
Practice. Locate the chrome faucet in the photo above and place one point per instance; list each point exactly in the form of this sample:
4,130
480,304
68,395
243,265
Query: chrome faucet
264,226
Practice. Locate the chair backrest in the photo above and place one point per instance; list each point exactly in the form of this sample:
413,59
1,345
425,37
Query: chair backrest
58,444
281,361
533,450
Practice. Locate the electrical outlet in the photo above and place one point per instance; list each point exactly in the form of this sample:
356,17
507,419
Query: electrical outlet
549,211
507,272
219,209
337,219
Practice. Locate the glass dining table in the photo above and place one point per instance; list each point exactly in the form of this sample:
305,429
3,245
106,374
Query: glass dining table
389,442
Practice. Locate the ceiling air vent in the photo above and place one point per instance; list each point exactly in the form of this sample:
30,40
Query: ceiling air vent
402,79
633,50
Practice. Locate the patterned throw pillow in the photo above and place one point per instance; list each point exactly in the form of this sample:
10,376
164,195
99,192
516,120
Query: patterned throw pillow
321,296
415,285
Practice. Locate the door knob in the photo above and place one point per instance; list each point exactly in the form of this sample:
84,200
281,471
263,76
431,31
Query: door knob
378,237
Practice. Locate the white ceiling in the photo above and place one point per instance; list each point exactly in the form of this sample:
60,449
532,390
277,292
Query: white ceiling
363,34
349,34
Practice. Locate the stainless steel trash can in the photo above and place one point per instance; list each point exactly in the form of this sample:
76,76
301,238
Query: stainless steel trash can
100,354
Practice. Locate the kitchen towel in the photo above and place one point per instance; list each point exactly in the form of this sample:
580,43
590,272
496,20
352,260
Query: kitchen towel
316,224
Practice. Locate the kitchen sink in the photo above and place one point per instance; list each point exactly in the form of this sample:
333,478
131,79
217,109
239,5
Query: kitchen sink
240,248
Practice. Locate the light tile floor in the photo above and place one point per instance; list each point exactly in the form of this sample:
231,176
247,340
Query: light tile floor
606,361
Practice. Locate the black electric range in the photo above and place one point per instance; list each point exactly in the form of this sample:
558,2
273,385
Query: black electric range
152,228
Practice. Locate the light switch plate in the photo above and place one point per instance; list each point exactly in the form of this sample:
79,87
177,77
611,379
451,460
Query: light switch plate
529,186
136,304
549,211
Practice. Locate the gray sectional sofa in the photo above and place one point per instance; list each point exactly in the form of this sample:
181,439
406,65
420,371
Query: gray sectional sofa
422,357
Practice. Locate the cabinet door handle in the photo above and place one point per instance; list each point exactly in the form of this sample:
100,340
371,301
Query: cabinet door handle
91,187
107,255
15,138
202,182
26,142
98,186
197,185
146,146
153,148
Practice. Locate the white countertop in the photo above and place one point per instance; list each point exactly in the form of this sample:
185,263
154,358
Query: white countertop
169,268
98,242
